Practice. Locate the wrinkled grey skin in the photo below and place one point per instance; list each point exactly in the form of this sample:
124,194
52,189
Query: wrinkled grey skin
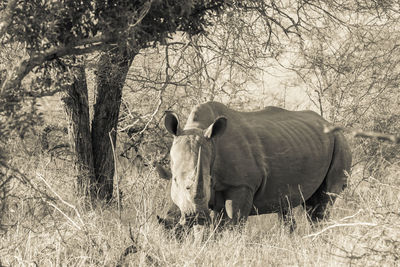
247,163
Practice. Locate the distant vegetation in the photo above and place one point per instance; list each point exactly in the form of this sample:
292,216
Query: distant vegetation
69,69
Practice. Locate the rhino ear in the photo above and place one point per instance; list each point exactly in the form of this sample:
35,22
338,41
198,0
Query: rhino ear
162,172
217,128
171,122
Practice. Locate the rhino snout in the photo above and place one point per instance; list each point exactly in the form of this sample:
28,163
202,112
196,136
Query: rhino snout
202,218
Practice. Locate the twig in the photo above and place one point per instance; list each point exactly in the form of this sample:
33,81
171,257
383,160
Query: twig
153,114
143,13
365,134
116,173
128,126
384,184
208,239
63,201
65,215
339,225
270,246
351,216
160,92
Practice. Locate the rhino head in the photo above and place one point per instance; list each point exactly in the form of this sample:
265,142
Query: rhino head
192,156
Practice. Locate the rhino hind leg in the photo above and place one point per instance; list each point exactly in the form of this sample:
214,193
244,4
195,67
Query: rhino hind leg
334,183
316,205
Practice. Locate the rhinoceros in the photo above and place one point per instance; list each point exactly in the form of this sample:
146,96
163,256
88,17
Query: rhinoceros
240,164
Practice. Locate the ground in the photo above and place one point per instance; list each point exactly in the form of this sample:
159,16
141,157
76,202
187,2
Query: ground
47,225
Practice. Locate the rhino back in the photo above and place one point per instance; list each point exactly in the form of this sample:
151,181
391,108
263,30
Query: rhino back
298,155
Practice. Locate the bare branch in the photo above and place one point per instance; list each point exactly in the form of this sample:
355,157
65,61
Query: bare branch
117,178
25,66
143,13
64,202
157,109
326,12
44,93
315,235
365,134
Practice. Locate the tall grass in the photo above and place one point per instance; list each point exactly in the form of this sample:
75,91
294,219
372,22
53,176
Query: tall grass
46,226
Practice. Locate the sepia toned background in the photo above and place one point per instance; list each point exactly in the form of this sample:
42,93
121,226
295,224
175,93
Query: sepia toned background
84,86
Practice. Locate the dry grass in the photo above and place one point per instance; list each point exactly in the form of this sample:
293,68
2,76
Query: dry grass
47,226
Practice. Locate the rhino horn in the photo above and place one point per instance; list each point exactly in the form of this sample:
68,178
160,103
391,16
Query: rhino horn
198,186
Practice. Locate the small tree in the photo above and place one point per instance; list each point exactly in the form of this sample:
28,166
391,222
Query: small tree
58,32
57,36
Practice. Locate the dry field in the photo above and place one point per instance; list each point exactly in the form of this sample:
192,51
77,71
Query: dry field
346,60
48,227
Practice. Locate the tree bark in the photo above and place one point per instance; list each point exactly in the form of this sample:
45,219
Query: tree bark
111,74
77,110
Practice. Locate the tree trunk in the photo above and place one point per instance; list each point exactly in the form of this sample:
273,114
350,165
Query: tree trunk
77,110
111,74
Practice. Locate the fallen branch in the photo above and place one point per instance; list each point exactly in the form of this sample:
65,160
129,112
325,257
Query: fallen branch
364,134
339,225
64,202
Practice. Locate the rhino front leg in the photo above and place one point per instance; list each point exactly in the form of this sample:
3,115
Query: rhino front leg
238,203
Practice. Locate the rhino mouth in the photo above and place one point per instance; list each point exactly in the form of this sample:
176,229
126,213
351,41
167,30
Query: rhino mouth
192,219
